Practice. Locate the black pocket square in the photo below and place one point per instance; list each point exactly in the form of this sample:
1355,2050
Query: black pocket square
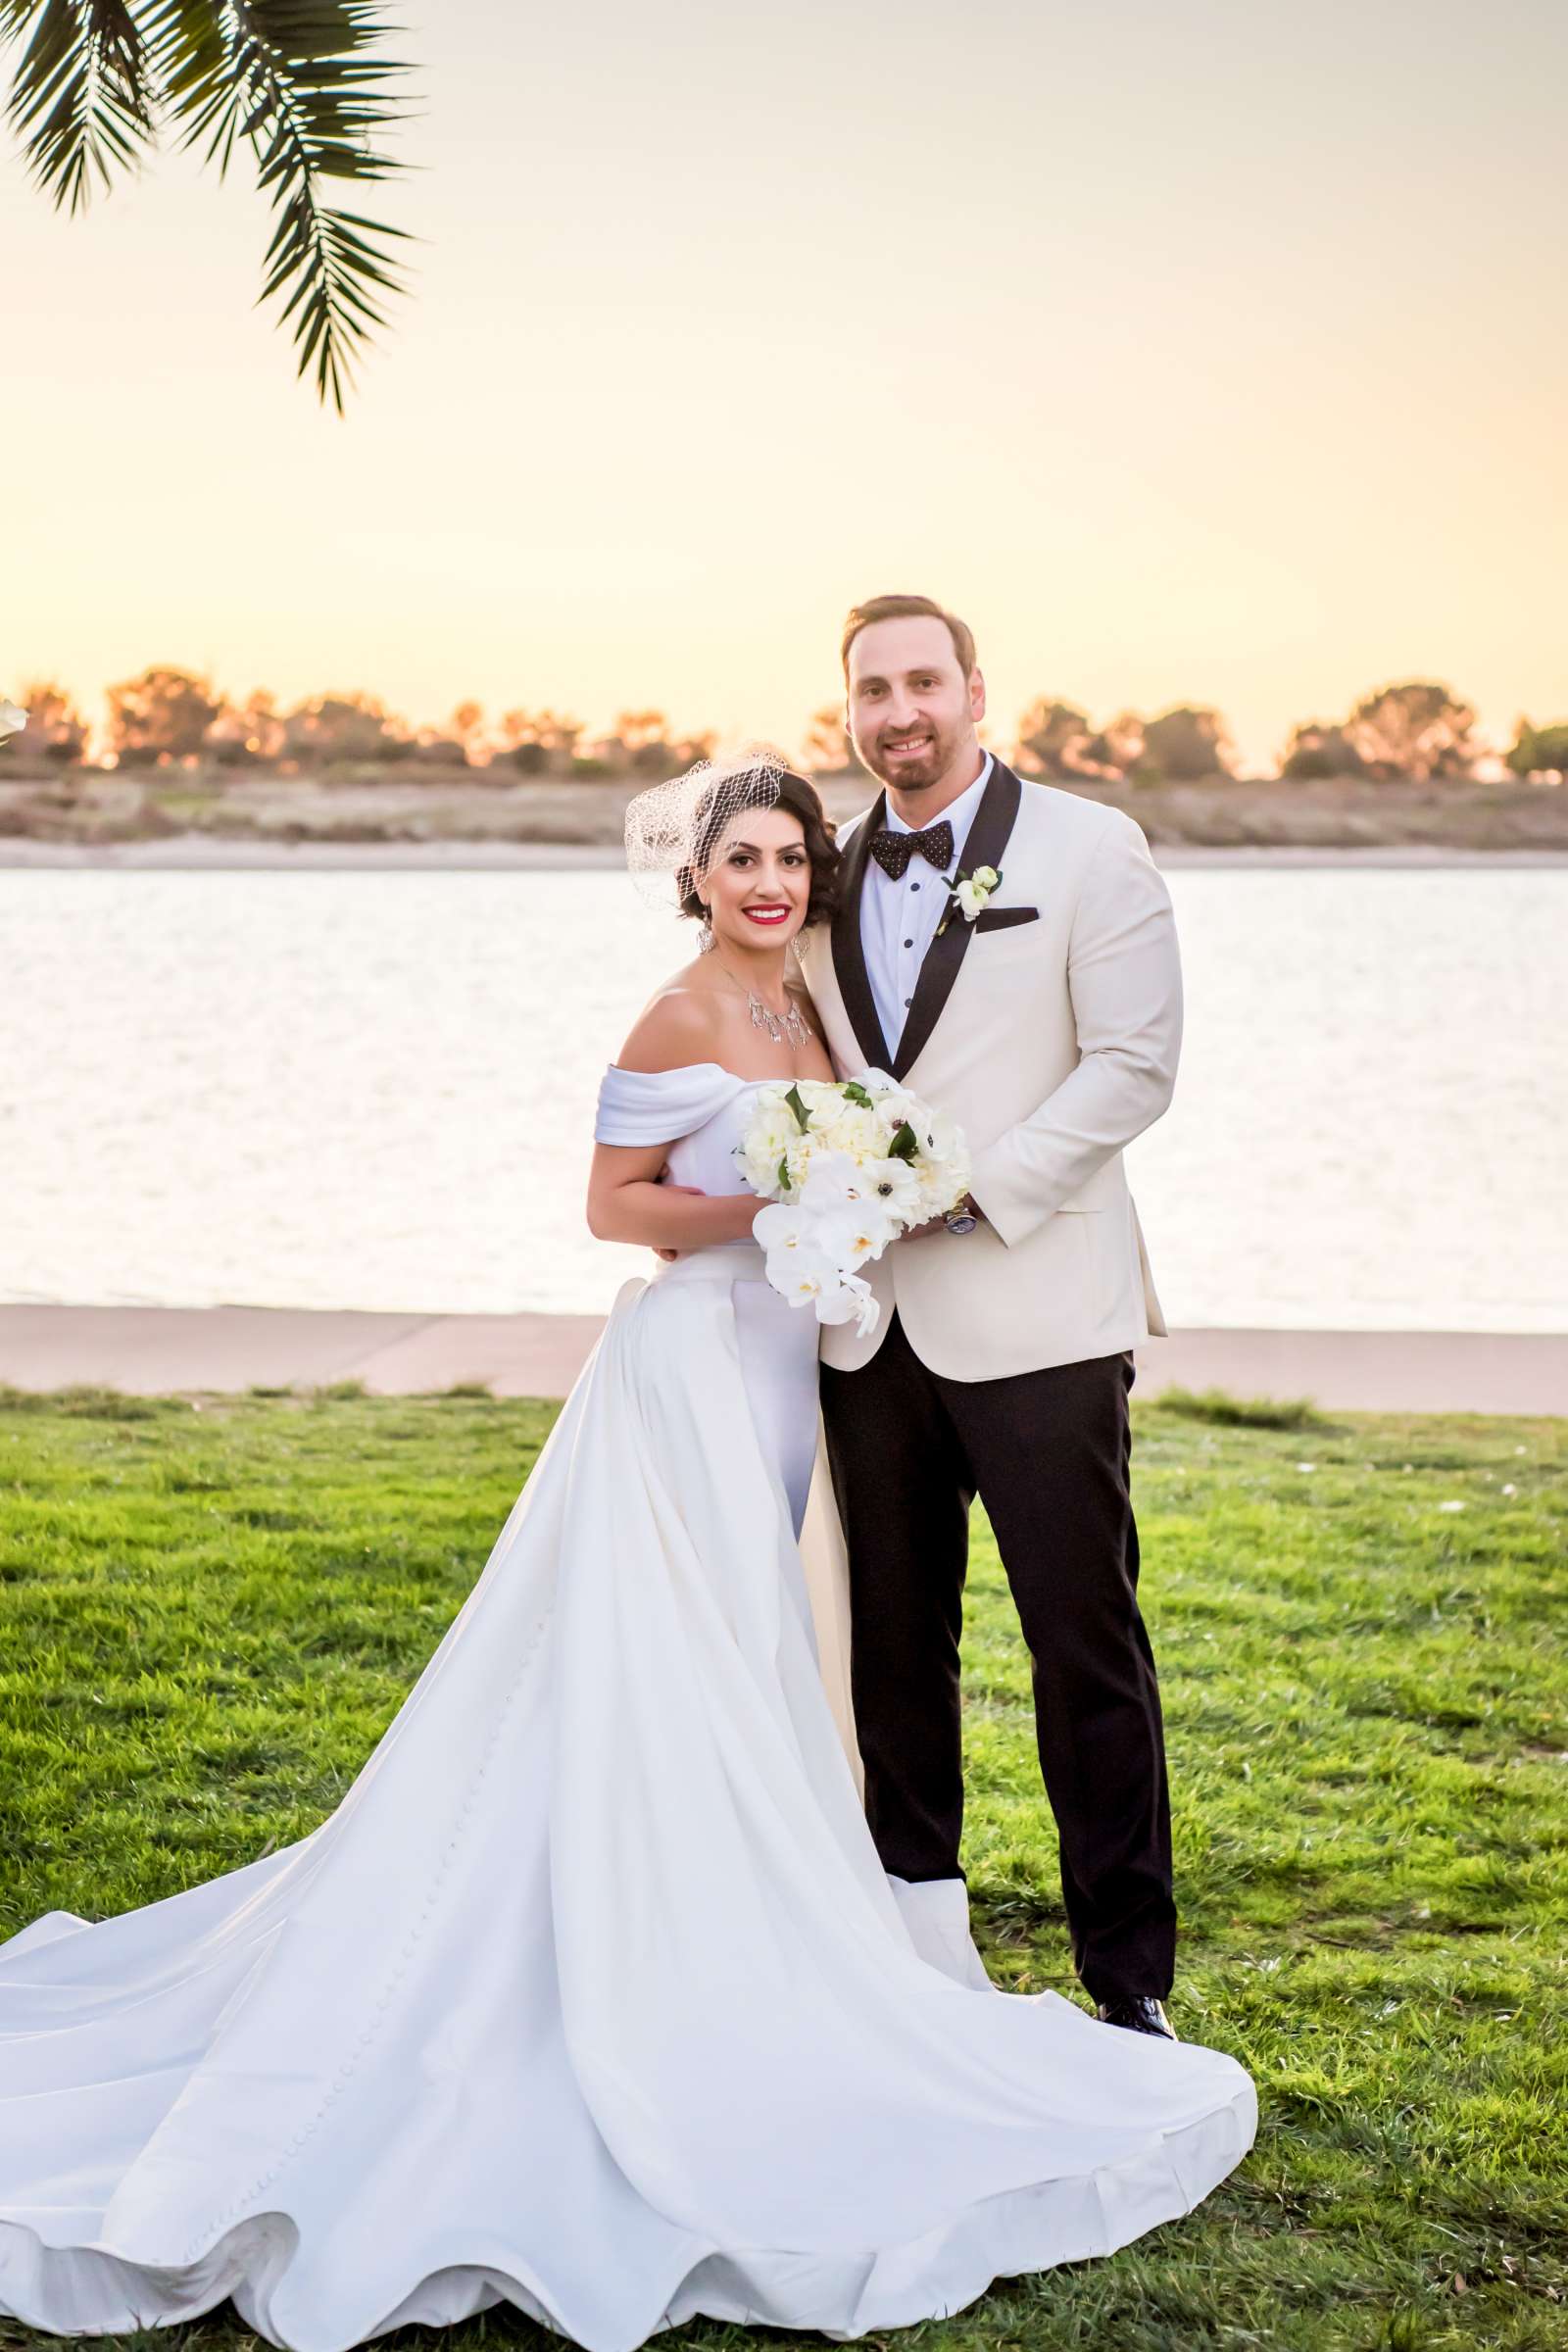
1003,919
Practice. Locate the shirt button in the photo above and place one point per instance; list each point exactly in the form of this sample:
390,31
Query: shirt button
915,885
909,943
908,1002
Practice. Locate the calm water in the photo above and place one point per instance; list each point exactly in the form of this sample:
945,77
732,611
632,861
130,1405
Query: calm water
376,1090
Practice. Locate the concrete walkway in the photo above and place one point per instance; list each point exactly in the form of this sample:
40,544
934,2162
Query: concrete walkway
156,1351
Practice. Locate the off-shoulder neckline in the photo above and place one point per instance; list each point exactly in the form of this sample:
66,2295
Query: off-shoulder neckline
682,1069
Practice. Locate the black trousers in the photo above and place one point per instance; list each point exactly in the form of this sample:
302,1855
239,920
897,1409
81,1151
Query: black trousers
1049,1453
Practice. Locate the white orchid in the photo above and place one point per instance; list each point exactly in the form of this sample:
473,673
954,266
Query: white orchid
854,1301
805,1277
854,1232
12,721
834,1177
781,1226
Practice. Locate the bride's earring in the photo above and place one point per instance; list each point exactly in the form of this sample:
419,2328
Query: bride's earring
704,934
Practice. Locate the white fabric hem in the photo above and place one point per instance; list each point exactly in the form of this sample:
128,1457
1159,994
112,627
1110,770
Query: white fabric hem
100,2290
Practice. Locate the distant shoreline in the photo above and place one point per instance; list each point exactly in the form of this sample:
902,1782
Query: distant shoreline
448,821
208,853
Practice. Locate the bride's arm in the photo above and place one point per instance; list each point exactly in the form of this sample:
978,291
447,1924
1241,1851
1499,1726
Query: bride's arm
626,1202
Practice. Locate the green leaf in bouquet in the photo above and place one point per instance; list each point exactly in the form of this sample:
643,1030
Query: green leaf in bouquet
906,1144
784,1171
853,1092
803,1117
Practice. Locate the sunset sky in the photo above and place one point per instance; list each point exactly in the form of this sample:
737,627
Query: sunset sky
1206,352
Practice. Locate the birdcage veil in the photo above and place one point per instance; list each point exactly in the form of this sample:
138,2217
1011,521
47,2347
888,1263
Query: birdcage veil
672,829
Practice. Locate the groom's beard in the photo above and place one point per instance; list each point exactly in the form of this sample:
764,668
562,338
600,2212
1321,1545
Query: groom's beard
915,775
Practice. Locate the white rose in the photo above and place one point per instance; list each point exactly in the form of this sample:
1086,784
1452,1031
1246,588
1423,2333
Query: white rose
986,878
841,1127
943,1186
12,721
761,1149
945,1166
764,1144
970,898
799,1152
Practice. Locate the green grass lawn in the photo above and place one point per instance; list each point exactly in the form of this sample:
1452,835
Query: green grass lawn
208,1614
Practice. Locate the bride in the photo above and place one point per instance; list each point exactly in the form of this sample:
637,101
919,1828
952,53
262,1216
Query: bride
591,1995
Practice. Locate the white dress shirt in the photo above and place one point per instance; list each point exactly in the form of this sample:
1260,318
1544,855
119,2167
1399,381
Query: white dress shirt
898,920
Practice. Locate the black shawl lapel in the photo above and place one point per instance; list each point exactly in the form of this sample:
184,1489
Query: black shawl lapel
848,954
994,821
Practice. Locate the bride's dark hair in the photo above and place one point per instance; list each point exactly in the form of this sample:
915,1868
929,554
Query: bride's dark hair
782,789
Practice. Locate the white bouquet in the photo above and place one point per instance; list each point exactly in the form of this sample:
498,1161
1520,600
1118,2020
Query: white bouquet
848,1164
12,721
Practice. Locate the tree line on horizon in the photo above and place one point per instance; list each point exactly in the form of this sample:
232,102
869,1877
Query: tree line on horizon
1417,730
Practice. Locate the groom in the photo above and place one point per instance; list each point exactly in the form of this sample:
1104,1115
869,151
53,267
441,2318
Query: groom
1046,1018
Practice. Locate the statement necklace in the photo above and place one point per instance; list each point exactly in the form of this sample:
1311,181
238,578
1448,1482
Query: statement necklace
791,1028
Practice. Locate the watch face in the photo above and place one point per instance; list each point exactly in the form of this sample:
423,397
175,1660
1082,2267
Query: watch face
962,1224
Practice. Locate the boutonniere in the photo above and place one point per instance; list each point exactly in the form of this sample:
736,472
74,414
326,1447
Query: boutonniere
970,892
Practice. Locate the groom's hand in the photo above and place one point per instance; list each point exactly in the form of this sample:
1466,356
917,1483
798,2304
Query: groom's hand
917,1233
693,1192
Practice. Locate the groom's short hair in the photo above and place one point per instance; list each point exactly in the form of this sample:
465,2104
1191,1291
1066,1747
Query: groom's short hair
907,608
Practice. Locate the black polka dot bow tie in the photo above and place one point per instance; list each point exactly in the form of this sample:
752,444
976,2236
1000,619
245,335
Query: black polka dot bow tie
893,851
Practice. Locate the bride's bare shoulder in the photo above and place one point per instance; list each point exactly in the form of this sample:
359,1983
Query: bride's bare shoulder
678,1025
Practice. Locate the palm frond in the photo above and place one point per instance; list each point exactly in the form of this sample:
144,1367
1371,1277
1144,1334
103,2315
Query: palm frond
82,102
300,80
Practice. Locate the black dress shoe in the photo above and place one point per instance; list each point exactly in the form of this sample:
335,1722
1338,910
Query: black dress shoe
1141,2015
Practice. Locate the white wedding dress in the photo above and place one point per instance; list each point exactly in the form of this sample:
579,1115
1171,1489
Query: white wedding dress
591,1995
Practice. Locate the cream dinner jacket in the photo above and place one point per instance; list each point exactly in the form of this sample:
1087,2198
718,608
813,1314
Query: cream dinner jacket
1049,1029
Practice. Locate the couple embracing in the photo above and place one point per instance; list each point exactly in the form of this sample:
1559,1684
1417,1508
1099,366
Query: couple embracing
632,1977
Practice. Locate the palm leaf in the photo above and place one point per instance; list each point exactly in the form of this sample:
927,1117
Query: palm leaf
80,101
301,81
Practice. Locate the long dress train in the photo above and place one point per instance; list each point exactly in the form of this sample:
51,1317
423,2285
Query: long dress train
591,1994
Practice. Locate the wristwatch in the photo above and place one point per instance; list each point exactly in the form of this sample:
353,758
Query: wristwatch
961,1219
